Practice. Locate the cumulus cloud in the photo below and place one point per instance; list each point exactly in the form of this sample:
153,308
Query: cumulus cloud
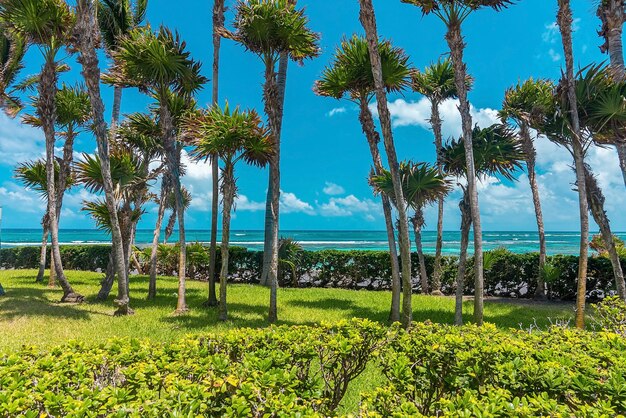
290,203
333,189
417,113
336,111
18,142
243,203
198,180
350,206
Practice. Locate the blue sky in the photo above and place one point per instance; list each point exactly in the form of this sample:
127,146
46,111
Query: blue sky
325,159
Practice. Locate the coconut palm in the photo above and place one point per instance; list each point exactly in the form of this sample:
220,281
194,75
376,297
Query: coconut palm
159,63
520,104
12,50
612,14
437,84
497,152
350,76
423,185
453,13
564,21
116,18
170,204
46,24
269,28
86,41
234,135
368,21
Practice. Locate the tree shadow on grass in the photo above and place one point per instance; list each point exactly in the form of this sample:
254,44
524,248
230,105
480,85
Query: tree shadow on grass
20,302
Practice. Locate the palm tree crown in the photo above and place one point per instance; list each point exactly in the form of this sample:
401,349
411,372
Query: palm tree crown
116,18
437,81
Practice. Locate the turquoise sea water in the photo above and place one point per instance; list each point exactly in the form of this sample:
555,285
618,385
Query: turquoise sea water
519,242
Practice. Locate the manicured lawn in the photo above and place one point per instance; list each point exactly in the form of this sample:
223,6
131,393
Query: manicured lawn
31,315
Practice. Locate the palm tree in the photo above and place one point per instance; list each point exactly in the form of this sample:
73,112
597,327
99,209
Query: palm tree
47,24
159,63
234,136
170,203
269,28
564,21
116,18
12,50
612,14
350,75
437,84
368,21
453,13
520,104
497,152
218,24
86,41
422,185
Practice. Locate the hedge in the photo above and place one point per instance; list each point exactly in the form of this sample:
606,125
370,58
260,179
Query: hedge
510,275
304,371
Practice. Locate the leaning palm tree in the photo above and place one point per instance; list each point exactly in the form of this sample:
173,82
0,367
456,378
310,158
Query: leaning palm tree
423,185
564,21
170,203
159,63
46,24
497,152
12,50
235,136
350,76
612,15
269,28
368,21
436,83
453,13
116,18
520,105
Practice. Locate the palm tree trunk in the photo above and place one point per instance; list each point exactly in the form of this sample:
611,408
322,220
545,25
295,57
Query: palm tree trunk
621,154
457,46
435,121
109,278
466,224
52,282
595,199
47,112
368,21
117,105
43,253
228,190
87,43
155,242
418,223
564,20
218,22
531,155
171,222
373,139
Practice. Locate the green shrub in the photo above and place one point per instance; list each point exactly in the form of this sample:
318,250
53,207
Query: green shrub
610,315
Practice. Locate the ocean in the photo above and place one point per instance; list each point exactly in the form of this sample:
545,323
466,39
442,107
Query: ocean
518,242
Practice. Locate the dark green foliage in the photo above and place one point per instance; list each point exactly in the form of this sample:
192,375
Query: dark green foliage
509,274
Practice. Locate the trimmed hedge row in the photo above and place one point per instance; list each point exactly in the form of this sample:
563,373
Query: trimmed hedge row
510,275
430,370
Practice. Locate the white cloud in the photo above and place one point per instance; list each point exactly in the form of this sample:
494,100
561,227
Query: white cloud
350,206
554,56
19,142
336,111
243,203
333,189
198,180
417,113
290,203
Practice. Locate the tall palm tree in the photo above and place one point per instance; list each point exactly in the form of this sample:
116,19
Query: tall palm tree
218,25
116,18
86,41
368,21
422,185
436,83
234,136
612,14
350,75
170,204
453,13
159,63
12,50
564,21
46,24
520,104
269,28
497,152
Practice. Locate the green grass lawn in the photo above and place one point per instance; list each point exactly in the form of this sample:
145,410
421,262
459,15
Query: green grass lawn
31,315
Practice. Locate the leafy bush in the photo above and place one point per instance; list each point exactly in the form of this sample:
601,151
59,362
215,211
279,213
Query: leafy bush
438,370
610,315
507,275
